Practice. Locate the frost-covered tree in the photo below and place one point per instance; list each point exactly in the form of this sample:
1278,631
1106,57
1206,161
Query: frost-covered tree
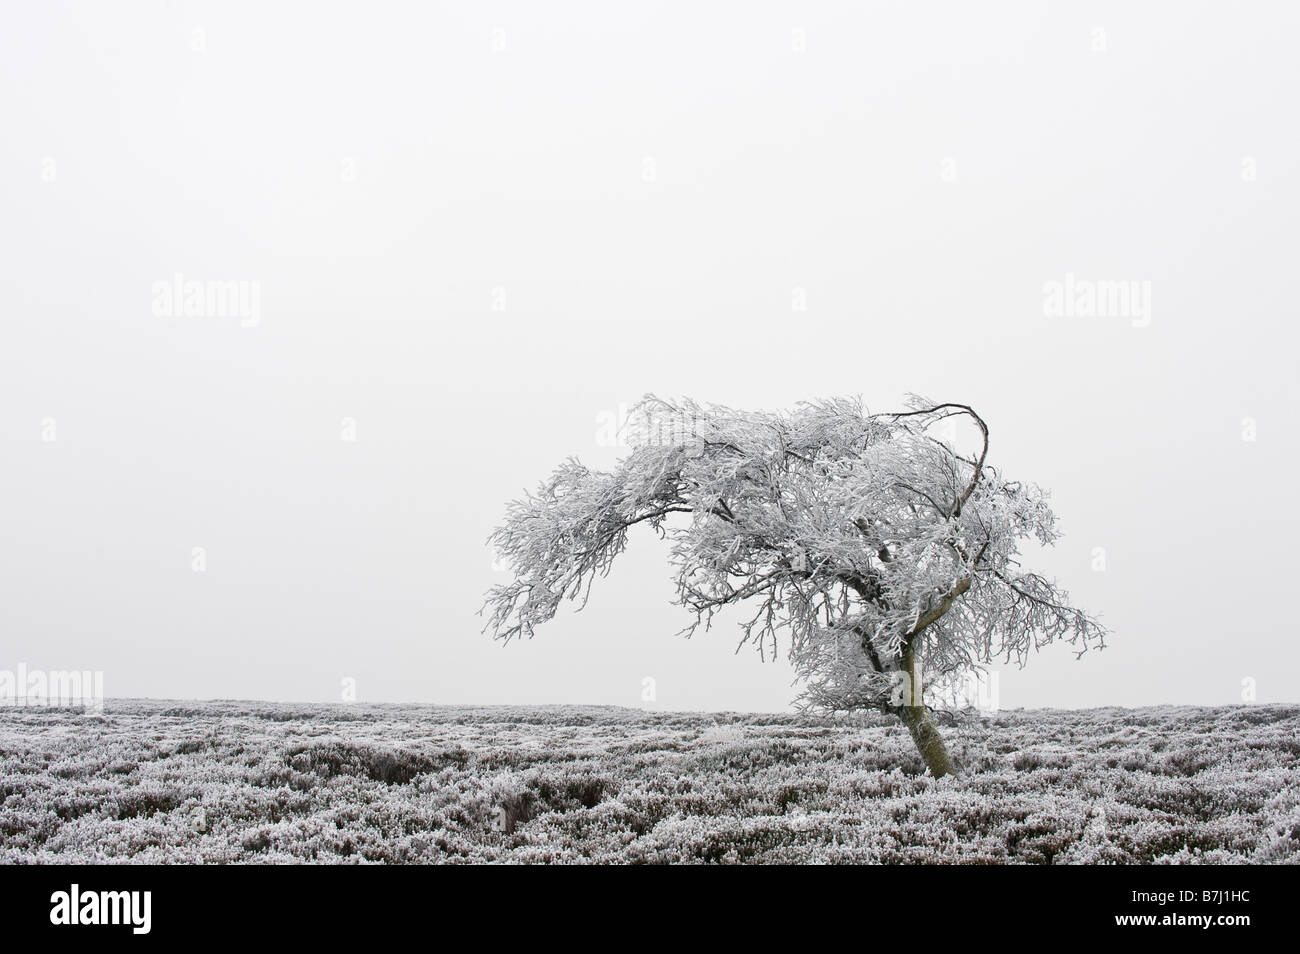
886,560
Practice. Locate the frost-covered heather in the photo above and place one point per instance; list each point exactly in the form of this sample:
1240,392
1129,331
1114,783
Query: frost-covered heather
253,782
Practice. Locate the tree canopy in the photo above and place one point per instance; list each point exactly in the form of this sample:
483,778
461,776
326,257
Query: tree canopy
863,540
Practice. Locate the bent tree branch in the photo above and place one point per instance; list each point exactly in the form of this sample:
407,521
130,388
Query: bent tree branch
870,548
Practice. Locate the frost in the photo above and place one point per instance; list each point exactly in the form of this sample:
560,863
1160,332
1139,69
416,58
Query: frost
228,782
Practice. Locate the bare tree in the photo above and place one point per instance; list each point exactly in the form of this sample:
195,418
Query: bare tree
889,559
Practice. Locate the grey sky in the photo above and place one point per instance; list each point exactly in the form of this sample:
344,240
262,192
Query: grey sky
474,229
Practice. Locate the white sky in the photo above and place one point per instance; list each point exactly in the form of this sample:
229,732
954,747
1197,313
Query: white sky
644,190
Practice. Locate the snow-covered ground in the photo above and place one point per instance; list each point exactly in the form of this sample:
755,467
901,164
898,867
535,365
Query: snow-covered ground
150,781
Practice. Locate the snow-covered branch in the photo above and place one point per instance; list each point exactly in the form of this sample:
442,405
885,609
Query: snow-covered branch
862,541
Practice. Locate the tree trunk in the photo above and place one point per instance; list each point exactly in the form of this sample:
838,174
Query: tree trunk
928,740
914,713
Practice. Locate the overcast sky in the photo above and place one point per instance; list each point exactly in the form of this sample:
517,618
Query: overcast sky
468,233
